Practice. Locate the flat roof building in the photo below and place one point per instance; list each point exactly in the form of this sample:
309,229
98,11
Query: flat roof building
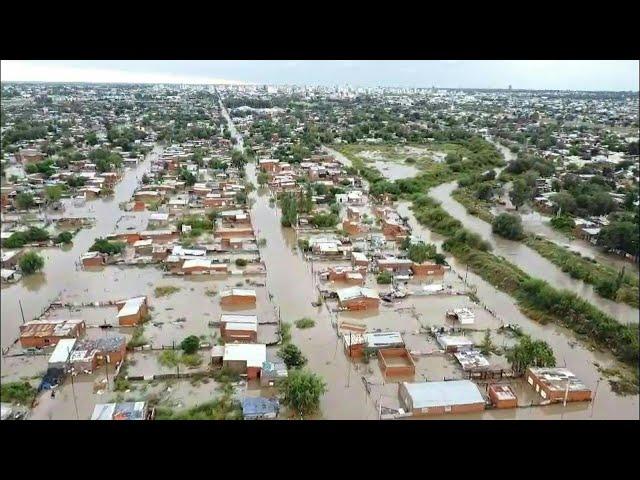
437,398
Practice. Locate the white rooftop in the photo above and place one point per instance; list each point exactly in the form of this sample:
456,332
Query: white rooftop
255,354
438,394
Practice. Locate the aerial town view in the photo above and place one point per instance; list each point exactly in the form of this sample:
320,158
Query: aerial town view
306,240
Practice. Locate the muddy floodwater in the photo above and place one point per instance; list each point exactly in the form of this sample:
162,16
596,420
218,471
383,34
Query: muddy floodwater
395,170
528,259
61,276
291,282
569,352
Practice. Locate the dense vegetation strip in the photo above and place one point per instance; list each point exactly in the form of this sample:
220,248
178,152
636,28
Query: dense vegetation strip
609,283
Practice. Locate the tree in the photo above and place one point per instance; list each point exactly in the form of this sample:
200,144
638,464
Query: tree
419,252
24,201
187,177
190,344
91,138
263,178
36,234
289,206
507,226
384,277
53,193
292,356
487,346
536,353
564,202
30,263
64,237
105,246
301,391
520,192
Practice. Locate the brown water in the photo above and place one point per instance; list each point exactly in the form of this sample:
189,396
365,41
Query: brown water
537,223
292,284
60,275
528,259
570,353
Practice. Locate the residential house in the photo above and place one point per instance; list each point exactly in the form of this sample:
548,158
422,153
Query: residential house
245,358
45,333
438,398
358,298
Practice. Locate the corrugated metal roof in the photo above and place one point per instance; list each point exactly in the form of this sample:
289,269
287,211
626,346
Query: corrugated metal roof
438,394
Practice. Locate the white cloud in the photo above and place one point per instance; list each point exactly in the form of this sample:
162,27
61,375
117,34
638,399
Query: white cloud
19,70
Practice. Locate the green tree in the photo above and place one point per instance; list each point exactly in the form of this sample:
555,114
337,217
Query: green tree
53,193
37,234
292,356
384,278
24,201
105,246
535,353
263,178
91,138
520,193
507,226
30,263
64,237
487,346
419,252
301,391
190,344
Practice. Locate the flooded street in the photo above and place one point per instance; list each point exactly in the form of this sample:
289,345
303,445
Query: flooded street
528,259
570,353
292,284
60,274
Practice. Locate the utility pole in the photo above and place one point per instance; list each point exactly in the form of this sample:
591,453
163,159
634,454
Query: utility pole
593,401
73,390
349,364
566,394
466,274
21,311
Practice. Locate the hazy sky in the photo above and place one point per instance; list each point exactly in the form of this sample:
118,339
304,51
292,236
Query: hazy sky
521,74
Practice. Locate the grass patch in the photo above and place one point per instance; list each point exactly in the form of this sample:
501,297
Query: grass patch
166,290
285,332
137,339
17,392
305,323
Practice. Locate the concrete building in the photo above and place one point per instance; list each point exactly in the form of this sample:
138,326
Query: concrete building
132,311
438,398
358,298
238,297
45,333
239,328
245,358
396,361
502,396
554,384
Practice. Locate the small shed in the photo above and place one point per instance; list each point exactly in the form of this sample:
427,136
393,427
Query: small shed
255,408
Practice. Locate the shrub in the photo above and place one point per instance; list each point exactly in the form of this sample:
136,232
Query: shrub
508,226
16,392
30,263
64,237
292,356
301,391
384,278
190,345
105,246
305,323
241,262
166,290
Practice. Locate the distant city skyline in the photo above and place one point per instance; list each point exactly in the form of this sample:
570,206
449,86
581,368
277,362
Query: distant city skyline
581,75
